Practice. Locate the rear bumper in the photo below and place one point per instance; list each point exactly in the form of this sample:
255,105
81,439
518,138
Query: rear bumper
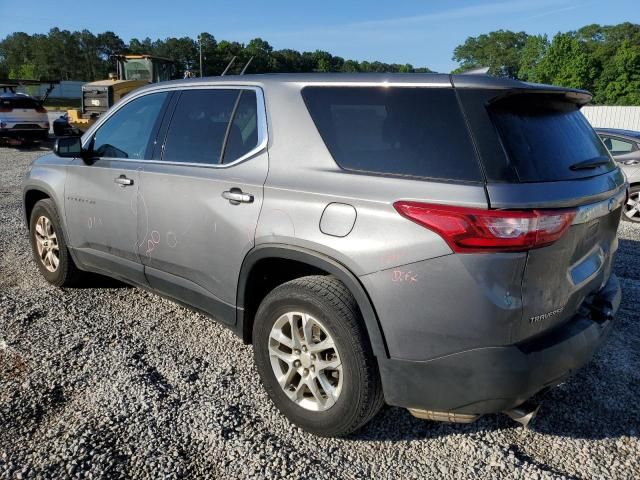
493,379
35,134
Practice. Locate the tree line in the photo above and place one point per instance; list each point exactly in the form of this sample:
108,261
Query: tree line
602,59
65,55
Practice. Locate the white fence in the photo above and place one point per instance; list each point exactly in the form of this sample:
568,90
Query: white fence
627,118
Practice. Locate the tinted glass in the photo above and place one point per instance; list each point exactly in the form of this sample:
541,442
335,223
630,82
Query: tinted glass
18,102
243,133
544,137
617,146
405,131
198,126
127,132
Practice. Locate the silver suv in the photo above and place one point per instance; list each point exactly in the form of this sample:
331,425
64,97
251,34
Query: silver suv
442,243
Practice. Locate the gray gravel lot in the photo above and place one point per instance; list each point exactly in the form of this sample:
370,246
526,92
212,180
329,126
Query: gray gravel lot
112,381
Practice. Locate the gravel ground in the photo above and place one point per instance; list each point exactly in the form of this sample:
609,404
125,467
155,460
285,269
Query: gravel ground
117,382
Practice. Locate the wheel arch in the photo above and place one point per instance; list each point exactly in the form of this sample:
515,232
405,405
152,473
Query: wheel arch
32,195
318,262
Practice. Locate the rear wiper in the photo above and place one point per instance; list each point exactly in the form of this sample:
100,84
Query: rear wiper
590,163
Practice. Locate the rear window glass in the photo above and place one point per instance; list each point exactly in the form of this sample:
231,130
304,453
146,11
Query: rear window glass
17,102
394,130
544,137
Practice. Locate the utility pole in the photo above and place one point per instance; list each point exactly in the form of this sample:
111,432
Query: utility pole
200,48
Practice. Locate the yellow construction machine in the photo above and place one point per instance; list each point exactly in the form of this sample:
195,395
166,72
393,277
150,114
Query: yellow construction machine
133,71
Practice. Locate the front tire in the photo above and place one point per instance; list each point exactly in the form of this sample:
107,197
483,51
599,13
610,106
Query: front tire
50,247
314,357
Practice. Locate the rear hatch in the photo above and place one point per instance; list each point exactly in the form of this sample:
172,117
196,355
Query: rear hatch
539,152
22,113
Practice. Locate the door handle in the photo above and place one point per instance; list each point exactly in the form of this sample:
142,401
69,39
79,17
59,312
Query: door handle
237,196
123,181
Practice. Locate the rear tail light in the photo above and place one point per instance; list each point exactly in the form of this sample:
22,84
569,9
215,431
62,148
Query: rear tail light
4,109
41,109
473,230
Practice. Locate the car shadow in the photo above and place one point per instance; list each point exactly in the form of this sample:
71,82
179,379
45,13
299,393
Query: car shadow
577,416
95,280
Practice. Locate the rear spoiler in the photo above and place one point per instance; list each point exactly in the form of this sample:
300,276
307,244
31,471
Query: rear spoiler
510,87
577,97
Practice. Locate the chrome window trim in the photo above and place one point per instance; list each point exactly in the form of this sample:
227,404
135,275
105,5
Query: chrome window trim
263,131
373,84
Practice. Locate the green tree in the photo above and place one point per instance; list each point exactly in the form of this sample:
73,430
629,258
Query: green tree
210,63
83,55
499,50
624,85
532,53
261,53
567,63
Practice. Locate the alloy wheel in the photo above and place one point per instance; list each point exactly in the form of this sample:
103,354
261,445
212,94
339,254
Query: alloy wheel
47,244
632,208
305,361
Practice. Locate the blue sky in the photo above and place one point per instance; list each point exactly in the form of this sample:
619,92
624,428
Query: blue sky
423,33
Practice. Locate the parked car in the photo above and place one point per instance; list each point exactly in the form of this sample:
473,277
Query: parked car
22,117
439,243
624,145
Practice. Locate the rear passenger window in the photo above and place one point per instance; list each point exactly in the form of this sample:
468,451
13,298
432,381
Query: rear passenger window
18,102
395,130
199,126
243,131
212,125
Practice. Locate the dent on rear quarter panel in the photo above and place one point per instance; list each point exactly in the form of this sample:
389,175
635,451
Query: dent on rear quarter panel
448,304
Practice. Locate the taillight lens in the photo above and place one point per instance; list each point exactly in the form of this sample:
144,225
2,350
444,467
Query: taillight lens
41,109
473,230
6,109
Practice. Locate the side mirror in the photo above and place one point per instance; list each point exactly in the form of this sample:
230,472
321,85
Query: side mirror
69,147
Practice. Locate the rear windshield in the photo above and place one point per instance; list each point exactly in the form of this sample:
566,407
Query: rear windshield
417,132
547,139
17,102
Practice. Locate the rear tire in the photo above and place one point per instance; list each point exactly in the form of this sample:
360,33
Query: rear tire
333,391
49,246
631,211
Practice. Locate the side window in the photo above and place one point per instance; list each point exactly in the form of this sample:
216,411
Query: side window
418,132
127,132
199,125
243,131
620,147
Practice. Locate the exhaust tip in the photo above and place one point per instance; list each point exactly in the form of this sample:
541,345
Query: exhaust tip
524,413
437,416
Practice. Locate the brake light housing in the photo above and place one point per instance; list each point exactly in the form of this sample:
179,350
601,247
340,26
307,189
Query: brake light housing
475,230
